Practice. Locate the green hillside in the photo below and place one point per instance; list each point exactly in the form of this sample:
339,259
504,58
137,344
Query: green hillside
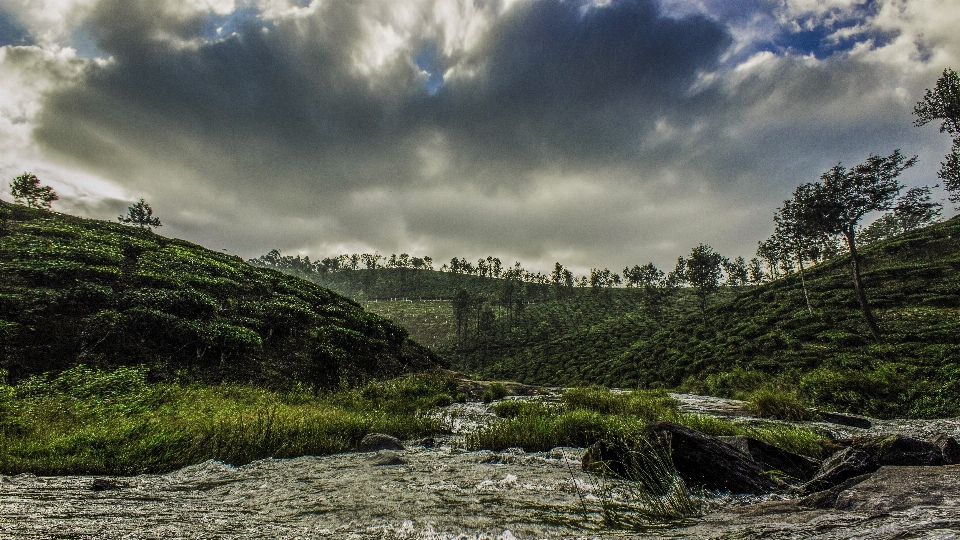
764,337
84,291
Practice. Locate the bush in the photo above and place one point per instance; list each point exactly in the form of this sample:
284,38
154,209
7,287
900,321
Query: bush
780,404
494,392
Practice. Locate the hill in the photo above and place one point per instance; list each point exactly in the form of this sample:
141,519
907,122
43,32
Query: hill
764,338
77,291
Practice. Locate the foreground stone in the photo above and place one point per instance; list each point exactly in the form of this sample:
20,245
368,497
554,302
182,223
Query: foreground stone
373,442
702,460
865,455
893,502
773,459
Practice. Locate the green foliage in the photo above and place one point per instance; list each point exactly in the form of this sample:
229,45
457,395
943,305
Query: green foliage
78,291
495,391
775,403
943,103
141,215
27,188
88,421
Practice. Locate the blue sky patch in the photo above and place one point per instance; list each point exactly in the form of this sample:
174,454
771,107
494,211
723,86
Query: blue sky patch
12,32
428,61
217,26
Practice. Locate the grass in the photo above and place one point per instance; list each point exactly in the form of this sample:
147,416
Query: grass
587,415
652,494
87,421
779,404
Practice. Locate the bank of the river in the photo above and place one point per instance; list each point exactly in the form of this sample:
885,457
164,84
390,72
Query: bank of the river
434,489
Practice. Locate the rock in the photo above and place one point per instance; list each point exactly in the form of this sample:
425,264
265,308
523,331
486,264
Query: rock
606,459
772,458
387,458
845,419
948,447
378,441
839,468
828,497
900,450
428,442
702,460
102,484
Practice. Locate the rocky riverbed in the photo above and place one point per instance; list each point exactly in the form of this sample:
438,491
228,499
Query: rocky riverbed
436,490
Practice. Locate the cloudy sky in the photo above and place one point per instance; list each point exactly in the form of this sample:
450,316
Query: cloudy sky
594,133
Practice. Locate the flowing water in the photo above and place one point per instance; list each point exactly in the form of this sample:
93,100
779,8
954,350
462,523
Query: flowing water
433,490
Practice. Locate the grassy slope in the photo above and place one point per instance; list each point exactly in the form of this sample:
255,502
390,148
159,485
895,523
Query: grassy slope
762,337
766,335
74,291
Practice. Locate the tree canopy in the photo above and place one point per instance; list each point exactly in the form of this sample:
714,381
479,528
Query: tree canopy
943,103
26,188
141,215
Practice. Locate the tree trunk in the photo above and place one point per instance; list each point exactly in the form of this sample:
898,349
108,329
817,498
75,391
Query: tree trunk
858,285
803,284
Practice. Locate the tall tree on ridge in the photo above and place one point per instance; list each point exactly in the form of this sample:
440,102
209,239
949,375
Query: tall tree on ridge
837,203
943,103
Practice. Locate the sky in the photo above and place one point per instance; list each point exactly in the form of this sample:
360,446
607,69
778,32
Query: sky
592,133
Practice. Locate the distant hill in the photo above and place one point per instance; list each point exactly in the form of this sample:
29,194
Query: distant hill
75,291
764,337
753,338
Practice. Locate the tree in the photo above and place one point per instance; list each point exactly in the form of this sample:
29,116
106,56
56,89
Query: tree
737,272
943,103
703,273
141,215
757,275
914,210
837,203
27,188
797,239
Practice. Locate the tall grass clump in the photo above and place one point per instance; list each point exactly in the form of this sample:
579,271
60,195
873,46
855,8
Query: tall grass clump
644,404
768,402
86,421
651,493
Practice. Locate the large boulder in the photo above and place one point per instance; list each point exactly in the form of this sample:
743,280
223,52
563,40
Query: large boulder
373,442
840,467
900,450
865,455
702,460
949,448
796,467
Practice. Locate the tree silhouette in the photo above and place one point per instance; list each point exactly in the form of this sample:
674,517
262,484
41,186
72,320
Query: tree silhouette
27,188
704,269
943,103
837,203
141,215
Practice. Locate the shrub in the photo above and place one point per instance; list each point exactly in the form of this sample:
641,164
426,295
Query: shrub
781,404
494,392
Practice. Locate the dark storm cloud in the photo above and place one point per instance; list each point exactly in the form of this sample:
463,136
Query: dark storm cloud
575,85
596,135
558,83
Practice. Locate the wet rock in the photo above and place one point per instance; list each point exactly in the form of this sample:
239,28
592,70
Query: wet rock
948,447
428,442
900,450
388,458
702,460
606,459
772,458
378,441
839,468
845,419
828,497
102,484
894,502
